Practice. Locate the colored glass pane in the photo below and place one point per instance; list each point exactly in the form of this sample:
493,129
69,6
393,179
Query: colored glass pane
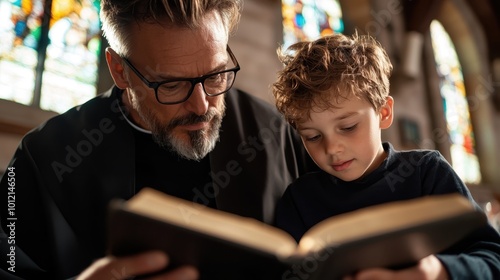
71,59
310,19
463,156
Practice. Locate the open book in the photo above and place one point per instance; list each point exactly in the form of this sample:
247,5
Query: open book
227,246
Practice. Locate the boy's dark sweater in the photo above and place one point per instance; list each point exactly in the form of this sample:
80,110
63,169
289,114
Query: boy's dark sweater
403,175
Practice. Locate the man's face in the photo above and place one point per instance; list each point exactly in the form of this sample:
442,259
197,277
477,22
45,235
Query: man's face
190,128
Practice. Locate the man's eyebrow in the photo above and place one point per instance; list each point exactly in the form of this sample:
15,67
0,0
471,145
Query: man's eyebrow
219,68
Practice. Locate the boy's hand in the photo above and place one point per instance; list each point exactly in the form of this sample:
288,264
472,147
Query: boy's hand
429,268
126,267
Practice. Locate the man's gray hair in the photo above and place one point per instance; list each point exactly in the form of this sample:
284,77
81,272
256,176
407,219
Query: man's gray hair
118,15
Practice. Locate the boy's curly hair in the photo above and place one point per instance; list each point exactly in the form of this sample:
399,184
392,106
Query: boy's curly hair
321,73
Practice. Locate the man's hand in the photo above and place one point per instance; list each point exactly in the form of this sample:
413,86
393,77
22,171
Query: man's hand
429,268
111,268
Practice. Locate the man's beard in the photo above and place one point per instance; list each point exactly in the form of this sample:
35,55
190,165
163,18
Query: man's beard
199,142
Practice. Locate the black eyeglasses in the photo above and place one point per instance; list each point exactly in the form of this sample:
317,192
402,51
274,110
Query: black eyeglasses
178,90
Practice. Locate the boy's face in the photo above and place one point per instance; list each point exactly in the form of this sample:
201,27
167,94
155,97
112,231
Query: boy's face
346,141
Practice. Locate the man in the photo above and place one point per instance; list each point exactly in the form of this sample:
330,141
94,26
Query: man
172,123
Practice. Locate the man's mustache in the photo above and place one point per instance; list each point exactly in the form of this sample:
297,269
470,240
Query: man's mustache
192,119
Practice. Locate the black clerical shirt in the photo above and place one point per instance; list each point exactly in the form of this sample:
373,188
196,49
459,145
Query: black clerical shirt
164,170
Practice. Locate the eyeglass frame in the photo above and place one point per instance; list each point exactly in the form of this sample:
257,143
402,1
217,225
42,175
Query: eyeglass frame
193,81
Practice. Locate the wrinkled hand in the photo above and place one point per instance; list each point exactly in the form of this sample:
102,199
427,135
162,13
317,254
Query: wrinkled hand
112,268
429,268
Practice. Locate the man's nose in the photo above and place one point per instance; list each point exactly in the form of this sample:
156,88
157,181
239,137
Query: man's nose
197,102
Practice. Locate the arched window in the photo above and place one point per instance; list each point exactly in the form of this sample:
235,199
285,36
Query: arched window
463,155
310,19
49,59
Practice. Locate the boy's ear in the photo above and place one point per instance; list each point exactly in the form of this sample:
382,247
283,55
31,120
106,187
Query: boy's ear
116,68
386,113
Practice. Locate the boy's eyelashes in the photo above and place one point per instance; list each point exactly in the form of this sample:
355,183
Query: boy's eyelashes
349,128
313,138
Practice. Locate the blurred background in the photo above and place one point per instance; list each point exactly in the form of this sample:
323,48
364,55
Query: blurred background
446,57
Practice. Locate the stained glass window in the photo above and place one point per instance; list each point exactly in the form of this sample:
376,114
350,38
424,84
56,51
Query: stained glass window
55,67
463,156
310,19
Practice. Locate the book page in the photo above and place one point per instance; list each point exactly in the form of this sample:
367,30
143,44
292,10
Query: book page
383,218
198,217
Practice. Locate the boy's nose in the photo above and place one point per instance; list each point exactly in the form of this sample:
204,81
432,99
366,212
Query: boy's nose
333,146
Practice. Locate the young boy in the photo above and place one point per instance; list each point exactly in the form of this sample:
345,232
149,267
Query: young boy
335,92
